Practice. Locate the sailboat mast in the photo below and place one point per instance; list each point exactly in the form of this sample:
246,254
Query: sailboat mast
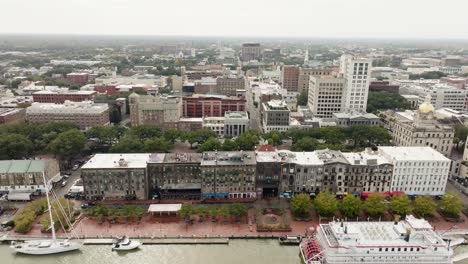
52,225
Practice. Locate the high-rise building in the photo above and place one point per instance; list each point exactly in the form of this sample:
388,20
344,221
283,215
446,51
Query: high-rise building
290,78
304,75
356,71
275,116
251,51
326,95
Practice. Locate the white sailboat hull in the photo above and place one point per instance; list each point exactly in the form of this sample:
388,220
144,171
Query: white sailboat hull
45,247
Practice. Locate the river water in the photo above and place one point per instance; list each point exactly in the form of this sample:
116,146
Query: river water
237,252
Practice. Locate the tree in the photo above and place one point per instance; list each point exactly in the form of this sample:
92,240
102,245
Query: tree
374,204
461,132
210,145
325,203
115,116
186,211
68,143
424,205
248,140
204,134
451,204
350,206
157,144
384,100
229,145
190,137
305,144
15,146
428,75
145,131
128,144
366,136
274,138
302,98
104,136
401,204
301,205
238,210
172,135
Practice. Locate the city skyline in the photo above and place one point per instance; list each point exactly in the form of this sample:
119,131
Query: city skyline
359,19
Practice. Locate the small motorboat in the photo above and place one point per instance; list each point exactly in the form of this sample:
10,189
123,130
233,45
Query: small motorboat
125,243
290,240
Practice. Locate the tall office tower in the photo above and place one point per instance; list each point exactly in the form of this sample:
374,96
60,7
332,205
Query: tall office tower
357,73
251,51
325,95
290,78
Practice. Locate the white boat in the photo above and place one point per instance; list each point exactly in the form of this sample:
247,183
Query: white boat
125,243
411,241
46,246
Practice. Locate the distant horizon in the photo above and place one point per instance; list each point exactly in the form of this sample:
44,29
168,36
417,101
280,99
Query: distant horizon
295,19
240,37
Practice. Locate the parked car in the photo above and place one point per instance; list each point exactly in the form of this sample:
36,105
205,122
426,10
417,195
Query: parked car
88,205
65,176
76,167
64,183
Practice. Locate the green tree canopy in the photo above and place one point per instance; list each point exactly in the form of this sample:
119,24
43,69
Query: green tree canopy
424,205
325,203
401,205
68,143
145,131
305,144
385,100
301,205
210,145
186,211
274,138
451,204
374,204
248,140
128,144
15,146
238,210
172,135
157,144
302,98
350,206
229,145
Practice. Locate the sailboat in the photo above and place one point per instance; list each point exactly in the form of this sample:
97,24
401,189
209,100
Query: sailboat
46,246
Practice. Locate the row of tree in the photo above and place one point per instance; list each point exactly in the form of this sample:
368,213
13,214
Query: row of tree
236,210
326,204
128,212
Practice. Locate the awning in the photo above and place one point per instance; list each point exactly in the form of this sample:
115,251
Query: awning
164,208
19,196
181,186
215,194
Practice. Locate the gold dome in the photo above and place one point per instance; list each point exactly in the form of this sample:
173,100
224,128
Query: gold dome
426,108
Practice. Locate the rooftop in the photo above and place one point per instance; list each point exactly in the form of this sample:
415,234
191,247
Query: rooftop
183,158
220,158
117,161
68,106
22,166
412,154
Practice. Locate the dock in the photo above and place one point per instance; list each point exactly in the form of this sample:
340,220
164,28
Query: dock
164,241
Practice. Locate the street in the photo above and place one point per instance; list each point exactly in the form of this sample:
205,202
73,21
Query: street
254,113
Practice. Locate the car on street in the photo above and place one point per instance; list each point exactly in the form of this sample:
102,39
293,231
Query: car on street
64,183
76,167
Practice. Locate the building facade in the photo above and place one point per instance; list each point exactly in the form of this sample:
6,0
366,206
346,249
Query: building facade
200,105
12,115
115,177
290,78
62,96
251,51
304,75
275,116
27,175
326,95
163,112
356,71
417,170
84,114
228,174
229,85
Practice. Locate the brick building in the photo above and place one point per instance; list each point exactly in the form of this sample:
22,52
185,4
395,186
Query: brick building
11,115
78,77
290,78
377,86
60,97
211,105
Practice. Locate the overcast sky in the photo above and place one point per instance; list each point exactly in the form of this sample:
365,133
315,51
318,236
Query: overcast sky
251,18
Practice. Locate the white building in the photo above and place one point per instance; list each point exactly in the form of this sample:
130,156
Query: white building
326,94
275,116
232,124
445,96
357,73
417,170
